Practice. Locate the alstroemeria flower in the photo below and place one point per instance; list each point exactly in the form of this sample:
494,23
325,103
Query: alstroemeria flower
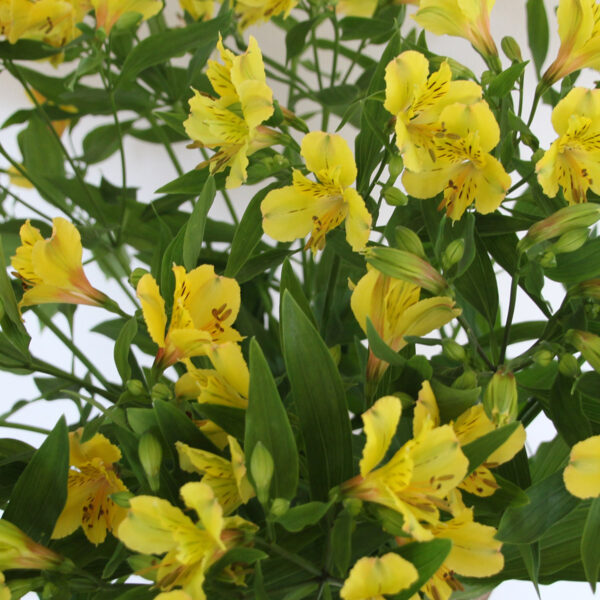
198,9
417,99
579,32
573,160
582,475
227,478
154,526
395,310
417,477
253,11
370,578
92,479
19,551
469,426
318,207
232,122
51,270
356,8
205,305
469,19
108,12
464,170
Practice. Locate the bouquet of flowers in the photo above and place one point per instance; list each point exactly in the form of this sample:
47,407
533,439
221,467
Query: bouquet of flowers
320,394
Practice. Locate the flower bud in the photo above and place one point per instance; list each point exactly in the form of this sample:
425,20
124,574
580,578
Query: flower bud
261,469
293,120
135,387
150,453
453,253
19,551
543,357
408,240
135,276
396,166
453,350
570,241
511,48
568,365
161,391
588,344
467,381
548,260
353,505
122,499
588,289
501,398
279,507
572,217
394,197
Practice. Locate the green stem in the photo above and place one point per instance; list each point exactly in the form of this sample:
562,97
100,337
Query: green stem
539,92
165,142
333,277
24,427
230,207
336,38
26,204
475,342
363,43
510,314
316,59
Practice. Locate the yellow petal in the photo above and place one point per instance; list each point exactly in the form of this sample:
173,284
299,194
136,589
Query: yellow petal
108,12
579,101
508,450
462,119
472,424
358,220
97,446
238,466
200,497
425,408
492,183
373,577
582,475
229,362
405,77
153,308
380,423
481,482
194,460
287,214
575,22
325,152
357,8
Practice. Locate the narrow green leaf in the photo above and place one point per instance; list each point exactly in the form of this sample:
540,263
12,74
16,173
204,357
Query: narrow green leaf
478,450
590,557
122,348
231,419
295,39
194,231
360,28
299,517
530,553
102,142
40,493
452,402
338,95
380,349
191,183
341,542
289,281
566,411
27,50
537,32
549,502
320,400
267,422
118,556
573,267
503,83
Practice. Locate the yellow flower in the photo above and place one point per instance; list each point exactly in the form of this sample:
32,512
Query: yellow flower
417,477
395,310
252,11
198,9
417,100
205,305
92,479
318,207
469,426
469,19
19,551
579,32
370,578
356,8
573,160
154,526
463,169
227,478
582,475
108,12
51,270
232,122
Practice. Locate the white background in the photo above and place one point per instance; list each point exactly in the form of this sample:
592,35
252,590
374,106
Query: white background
149,168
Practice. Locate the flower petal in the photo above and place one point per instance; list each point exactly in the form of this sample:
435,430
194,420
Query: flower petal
153,308
326,152
358,220
582,475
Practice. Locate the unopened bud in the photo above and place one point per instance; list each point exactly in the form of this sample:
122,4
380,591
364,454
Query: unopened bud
396,166
543,358
467,381
453,253
408,240
135,387
588,289
136,275
568,365
511,48
548,260
501,398
353,506
161,391
261,468
19,551
588,344
293,120
122,499
570,241
394,197
453,350
279,507
150,453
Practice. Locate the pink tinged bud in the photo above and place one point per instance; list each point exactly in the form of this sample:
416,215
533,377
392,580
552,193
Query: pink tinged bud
588,344
19,551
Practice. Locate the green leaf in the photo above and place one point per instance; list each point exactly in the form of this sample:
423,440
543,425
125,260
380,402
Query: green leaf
590,557
248,233
573,267
341,542
236,555
40,493
42,154
27,50
289,281
549,501
191,183
380,349
537,32
295,39
102,142
452,402
231,419
360,28
530,553
566,411
194,231
480,449
160,47
503,83
122,348
319,398
299,517
267,422
338,95
427,557
588,385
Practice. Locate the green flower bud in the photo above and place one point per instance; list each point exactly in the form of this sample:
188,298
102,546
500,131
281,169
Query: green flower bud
150,453
501,398
161,391
353,506
394,197
279,507
136,275
396,166
135,387
453,350
122,499
453,253
548,259
408,240
588,344
261,469
570,241
467,381
568,365
588,289
543,357
511,48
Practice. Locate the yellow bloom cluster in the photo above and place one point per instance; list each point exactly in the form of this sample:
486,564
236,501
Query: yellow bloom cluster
445,133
